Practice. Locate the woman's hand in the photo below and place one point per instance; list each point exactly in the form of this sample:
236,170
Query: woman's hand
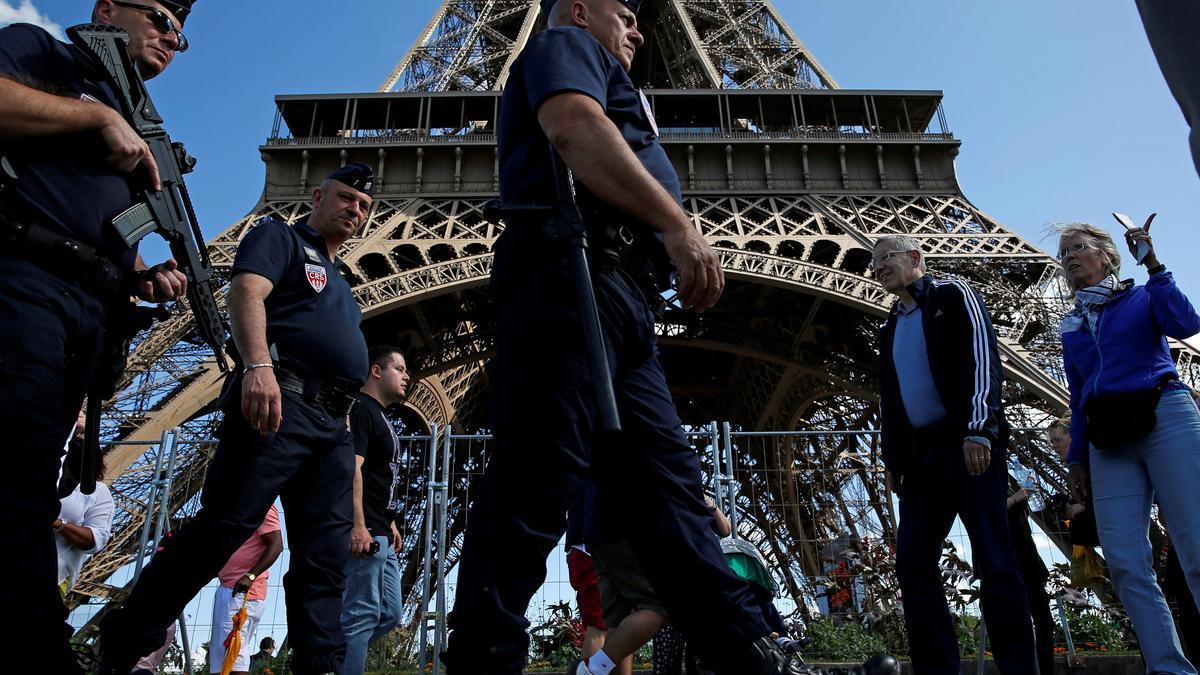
1139,234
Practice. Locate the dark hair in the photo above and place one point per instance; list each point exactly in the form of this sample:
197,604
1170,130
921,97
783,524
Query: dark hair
266,643
379,355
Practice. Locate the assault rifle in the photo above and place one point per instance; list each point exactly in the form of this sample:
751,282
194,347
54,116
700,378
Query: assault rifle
168,213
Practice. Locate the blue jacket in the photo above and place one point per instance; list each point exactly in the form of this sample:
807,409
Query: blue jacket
964,360
1129,351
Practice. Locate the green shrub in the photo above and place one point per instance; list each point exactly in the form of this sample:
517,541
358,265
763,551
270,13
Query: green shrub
1092,632
845,642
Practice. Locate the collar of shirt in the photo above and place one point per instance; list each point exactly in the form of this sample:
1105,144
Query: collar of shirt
307,233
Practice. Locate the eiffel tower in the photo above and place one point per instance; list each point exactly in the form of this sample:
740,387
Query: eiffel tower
789,176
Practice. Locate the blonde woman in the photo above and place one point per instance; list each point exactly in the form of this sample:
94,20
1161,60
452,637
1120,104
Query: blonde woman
1134,429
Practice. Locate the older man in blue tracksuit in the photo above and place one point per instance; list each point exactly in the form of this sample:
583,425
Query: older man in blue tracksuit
944,438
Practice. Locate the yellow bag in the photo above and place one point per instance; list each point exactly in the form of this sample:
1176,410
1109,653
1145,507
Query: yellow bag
1085,566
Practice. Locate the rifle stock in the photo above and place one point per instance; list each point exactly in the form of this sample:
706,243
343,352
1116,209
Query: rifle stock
169,212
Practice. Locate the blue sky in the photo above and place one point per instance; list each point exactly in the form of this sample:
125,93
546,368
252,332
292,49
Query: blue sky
1061,108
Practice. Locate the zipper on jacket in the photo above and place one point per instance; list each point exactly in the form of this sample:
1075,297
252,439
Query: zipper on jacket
1099,352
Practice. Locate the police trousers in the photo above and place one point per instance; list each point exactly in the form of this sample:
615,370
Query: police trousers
50,341
931,494
1173,27
546,441
309,463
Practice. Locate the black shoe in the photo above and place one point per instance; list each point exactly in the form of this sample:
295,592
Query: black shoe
882,664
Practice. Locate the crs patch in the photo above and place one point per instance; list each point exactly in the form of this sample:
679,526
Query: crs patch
316,276
649,111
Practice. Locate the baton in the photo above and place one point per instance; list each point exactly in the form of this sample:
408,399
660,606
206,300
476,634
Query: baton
589,312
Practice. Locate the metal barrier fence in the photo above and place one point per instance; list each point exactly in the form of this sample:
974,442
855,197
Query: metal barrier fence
816,504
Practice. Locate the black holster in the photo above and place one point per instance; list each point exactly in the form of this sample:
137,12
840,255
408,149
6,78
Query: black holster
125,321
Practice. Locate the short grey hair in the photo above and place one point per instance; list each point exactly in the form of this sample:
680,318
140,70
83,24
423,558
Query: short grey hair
1099,236
903,242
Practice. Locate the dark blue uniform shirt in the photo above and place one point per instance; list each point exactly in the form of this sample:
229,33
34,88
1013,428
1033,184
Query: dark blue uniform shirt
64,183
312,317
569,59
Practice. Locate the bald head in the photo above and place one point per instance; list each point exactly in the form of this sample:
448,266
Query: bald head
563,11
611,22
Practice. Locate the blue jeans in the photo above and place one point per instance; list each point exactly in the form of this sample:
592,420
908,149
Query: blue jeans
371,606
1125,481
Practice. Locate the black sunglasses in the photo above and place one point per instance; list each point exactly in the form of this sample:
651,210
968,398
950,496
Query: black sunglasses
161,21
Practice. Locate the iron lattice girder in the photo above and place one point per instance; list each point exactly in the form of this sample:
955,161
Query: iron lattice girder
470,44
751,46
469,40
813,241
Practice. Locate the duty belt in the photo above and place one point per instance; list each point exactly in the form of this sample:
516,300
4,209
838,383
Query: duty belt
614,245
64,257
337,399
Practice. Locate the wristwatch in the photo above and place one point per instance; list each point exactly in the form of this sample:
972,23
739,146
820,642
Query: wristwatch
251,576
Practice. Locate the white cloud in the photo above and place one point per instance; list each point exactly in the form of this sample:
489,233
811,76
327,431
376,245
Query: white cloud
27,13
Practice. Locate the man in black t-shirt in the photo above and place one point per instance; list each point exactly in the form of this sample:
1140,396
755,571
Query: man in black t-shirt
71,163
371,605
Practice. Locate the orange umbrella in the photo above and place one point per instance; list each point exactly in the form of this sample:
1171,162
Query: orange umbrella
233,641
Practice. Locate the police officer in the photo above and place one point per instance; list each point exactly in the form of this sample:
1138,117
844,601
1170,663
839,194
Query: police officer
70,164
570,90
285,434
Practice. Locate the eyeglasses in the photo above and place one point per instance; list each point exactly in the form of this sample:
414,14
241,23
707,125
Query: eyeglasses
161,21
1064,253
885,256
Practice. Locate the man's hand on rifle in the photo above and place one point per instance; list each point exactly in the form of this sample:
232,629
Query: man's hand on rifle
128,150
261,401
163,282
701,279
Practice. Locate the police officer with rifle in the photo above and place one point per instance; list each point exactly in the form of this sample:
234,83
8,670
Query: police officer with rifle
572,124
74,158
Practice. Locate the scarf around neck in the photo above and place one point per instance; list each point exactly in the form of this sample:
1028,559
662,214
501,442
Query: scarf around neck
1090,299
